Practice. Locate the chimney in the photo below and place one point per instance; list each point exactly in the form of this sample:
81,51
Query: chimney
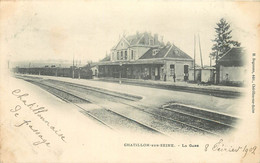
146,38
161,39
137,34
155,37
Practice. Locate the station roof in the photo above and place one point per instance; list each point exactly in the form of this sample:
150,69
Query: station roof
168,51
154,55
107,58
234,57
140,39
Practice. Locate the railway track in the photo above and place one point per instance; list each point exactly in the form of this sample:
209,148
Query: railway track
202,120
103,91
165,118
198,122
107,117
226,119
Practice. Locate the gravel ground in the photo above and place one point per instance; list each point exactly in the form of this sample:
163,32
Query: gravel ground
154,121
169,121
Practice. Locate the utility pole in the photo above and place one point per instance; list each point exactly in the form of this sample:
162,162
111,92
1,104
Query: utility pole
79,68
29,71
194,57
201,62
79,72
56,71
120,73
73,67
217,69
210,60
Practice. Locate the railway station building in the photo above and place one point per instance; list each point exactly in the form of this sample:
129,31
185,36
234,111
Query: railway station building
143,56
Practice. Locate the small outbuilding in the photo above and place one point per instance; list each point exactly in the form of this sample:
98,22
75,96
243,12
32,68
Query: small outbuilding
204,75
232,67
207,74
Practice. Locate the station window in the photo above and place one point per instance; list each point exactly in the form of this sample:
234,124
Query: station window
186,69
132,54
172,69
118,56
125,55
122,55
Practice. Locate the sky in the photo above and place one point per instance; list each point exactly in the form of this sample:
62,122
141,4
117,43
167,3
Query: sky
55,30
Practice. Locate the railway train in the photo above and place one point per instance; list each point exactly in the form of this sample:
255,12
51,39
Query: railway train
83,72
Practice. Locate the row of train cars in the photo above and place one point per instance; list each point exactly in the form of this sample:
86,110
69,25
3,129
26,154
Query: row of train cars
83,73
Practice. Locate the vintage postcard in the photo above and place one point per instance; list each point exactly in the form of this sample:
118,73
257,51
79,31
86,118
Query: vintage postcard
129,81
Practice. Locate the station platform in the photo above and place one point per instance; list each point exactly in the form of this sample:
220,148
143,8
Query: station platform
181,86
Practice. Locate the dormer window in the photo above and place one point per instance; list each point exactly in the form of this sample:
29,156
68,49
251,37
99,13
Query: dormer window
176,51
155,51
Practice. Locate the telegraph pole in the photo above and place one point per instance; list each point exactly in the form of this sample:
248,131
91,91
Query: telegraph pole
217,69
29,71
120,73
79,68
194,57
210,60
73,67
200,53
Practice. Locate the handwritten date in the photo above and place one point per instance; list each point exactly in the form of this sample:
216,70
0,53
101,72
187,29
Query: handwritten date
220,146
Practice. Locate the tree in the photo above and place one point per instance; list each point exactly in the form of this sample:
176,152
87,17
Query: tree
222,41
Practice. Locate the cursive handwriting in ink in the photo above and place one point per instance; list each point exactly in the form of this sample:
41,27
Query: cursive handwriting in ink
36,132
38,111
220,146
15,110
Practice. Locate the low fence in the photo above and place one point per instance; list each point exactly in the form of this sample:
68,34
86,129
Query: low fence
83,73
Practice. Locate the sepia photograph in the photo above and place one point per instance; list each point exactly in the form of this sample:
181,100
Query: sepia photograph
129,81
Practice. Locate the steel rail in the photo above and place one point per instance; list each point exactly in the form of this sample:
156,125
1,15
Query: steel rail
135,121
91,115
164,117
136,107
